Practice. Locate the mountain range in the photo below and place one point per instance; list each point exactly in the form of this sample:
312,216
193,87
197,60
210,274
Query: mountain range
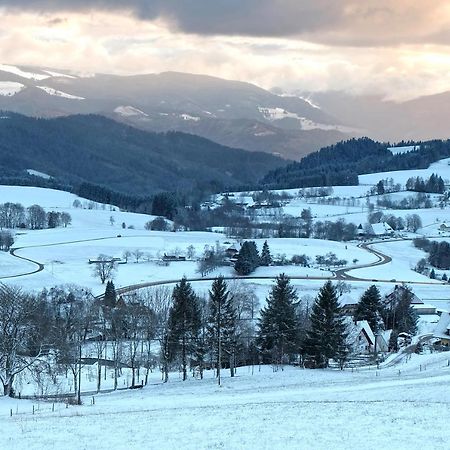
231,113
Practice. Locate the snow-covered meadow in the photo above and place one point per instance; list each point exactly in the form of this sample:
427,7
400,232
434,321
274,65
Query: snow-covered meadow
402,407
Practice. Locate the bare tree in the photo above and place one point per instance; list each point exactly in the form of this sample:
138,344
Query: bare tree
104,268
12,215
138,254
71,326
6,240
36,217
159,300
16,331
126,255
66,219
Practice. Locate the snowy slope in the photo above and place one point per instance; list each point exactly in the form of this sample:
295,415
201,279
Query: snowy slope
10,88
56,93
400,408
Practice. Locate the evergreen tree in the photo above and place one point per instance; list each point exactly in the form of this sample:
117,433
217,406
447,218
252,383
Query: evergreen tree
307,218
369,308
278,324
433,274
380,187
247,259
184,324
222,324
110,297
266,258
327,335
444,277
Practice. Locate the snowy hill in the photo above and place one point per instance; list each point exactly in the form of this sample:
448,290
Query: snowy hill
228,112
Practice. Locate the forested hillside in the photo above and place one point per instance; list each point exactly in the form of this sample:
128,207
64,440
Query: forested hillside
100,151
340,164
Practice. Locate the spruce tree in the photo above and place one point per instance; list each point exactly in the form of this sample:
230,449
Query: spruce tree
278,324
184,324
247,259
369,308
110,297
327,335
266,258
222,324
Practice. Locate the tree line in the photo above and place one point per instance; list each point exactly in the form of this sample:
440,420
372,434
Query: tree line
341,163
179,329
438,252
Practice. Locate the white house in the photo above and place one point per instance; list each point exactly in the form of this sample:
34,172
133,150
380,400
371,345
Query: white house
442,330
382,229
360,337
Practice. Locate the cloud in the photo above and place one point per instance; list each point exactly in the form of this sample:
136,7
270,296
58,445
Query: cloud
337,23
120,41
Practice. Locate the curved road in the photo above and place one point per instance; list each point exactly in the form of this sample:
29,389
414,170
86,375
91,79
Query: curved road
340,274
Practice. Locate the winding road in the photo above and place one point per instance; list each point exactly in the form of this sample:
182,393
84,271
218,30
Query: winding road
339,274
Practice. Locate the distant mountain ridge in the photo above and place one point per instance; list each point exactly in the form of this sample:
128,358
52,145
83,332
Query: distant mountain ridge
98,150
231,113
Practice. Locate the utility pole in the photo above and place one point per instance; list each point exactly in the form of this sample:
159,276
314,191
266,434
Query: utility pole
219,338
79,375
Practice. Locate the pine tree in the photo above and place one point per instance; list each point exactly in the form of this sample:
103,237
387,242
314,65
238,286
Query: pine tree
278,324
110,297
369,308
222,324
406,320
266,258
184,324
247,259
327,335
433,274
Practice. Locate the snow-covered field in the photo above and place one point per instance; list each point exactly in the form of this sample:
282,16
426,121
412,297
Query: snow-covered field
403,407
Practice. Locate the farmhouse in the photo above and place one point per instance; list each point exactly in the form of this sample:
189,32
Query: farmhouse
381,229
444,226
360,337
442,330
400,290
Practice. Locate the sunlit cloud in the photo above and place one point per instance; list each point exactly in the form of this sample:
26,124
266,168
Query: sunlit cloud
125,41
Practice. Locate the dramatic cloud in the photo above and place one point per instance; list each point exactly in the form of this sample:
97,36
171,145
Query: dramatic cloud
399,48
343,22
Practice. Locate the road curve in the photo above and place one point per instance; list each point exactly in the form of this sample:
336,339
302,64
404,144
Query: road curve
39,266
339,274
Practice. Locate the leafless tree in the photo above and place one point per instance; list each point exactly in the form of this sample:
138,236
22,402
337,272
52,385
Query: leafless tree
36,217
66,219
12,215
104,268
16,331
138,254
126,255
6,240
159,300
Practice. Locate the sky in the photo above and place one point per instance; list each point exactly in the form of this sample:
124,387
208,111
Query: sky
396,48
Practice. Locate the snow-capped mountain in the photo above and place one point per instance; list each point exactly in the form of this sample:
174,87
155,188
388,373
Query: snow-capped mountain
232,113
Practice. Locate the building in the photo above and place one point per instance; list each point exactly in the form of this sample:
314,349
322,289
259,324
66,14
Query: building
444,226
381,229
360,338
442,330
398,291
